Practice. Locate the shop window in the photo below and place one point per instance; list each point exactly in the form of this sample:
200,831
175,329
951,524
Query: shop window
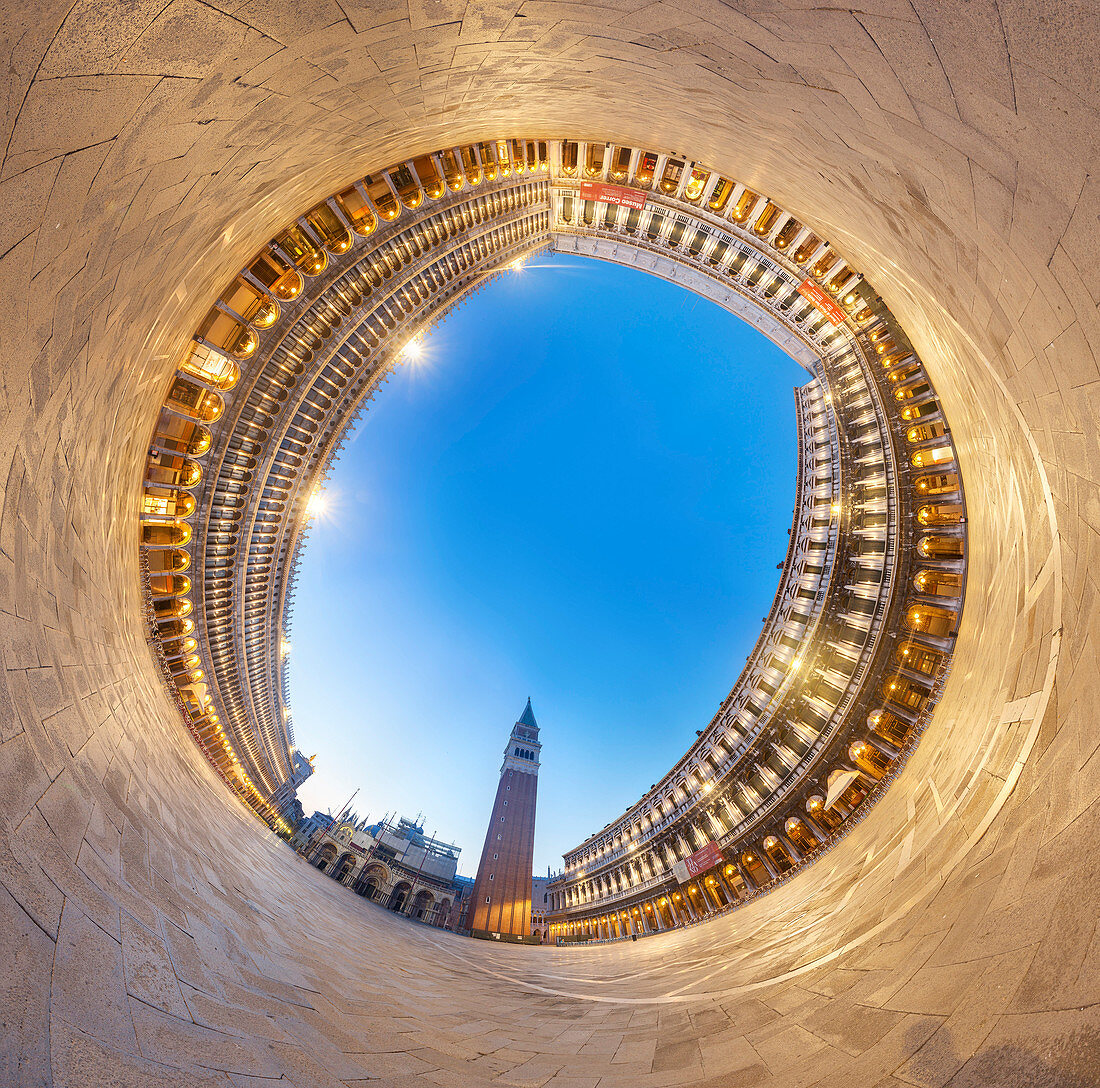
326,224
807,248
489,163
302,250
696,183
720,195
382,196
252,304
191,399
766,219
788,234
223,331
428,174
670,178
744,206
643,174
593,161
620,163
357,211
569,158
274,274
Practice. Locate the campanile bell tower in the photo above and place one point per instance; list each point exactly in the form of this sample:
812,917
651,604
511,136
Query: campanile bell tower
501,907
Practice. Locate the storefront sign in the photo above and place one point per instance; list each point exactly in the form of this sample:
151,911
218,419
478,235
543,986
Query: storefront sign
612,194
810,290
699,862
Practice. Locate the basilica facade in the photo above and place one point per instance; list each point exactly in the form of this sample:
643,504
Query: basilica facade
394,864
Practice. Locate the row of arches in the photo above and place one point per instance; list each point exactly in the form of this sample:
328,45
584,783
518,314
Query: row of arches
777,662
779,646
257,523
862,515
256,304
909,672
678,178
374,882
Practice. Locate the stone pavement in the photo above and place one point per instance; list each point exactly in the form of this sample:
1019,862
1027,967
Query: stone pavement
157,935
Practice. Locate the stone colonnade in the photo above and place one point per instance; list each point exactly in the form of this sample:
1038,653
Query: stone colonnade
738,877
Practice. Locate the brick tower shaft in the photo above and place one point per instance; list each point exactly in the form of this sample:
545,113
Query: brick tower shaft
501,906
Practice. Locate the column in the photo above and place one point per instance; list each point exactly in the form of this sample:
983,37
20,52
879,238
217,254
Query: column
884,746
727,883
750,884
768,863
789,846
818,833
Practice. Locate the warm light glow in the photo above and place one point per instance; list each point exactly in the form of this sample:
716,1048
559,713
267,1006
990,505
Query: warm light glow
412,350
316,504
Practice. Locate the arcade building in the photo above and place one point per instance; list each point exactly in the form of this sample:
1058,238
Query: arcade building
854,652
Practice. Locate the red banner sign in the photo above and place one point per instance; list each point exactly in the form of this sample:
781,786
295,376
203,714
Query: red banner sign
704,859
699,862
809,289
612,194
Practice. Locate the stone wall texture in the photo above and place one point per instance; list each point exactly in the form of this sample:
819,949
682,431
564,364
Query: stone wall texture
154,933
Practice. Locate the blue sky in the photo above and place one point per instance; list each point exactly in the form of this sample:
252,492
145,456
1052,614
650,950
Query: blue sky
580,493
